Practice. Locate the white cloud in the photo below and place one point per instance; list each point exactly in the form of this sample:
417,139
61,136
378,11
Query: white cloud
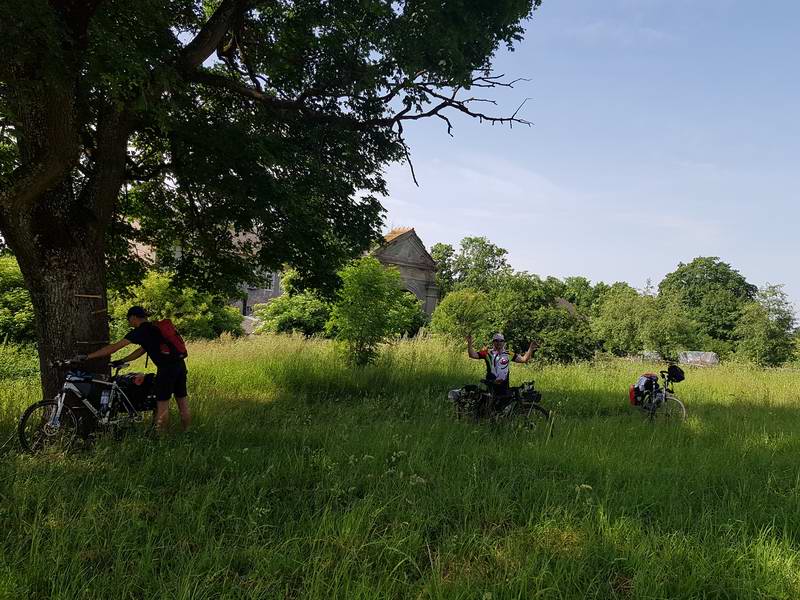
608,31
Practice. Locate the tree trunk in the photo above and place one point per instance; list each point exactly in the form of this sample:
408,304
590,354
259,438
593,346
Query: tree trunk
61,249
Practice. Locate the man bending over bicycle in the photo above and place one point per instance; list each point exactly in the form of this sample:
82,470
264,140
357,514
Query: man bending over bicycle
498,361
171,368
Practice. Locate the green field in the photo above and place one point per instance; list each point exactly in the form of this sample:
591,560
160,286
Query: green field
305,479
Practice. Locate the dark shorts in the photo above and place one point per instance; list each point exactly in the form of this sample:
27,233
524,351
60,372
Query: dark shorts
171,380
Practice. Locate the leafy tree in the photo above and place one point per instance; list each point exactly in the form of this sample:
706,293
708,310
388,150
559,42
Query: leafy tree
620,321
476,264
628,322
712,292
461,313
232,136
667,328
16,310
196,315
563,337
765,330
371,307
580,292
303,312
523,307
407,316
443,255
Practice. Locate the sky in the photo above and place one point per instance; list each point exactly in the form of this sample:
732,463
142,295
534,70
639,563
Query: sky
662,130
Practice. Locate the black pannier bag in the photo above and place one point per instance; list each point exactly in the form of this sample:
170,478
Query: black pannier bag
675,373
140,390
88,389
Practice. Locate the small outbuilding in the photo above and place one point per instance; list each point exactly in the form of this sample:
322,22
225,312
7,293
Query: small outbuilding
403,249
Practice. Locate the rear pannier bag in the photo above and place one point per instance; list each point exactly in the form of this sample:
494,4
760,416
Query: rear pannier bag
140,390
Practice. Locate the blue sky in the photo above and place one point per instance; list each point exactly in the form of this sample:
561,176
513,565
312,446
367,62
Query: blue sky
663,130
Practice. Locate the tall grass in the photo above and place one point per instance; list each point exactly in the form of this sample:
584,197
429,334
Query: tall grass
304,478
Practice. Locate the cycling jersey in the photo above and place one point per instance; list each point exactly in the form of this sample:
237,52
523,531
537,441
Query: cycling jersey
497,363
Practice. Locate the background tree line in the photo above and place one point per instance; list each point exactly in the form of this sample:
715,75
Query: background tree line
703,305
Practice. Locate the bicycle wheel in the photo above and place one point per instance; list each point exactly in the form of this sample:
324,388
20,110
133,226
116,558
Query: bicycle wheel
529,416
40,434
537,416
671,409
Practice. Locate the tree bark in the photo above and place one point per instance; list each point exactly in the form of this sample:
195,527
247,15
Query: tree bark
61,256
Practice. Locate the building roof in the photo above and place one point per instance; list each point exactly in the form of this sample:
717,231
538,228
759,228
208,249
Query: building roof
403,235
396,233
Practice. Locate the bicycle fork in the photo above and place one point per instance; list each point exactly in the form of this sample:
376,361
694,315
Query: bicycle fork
55,420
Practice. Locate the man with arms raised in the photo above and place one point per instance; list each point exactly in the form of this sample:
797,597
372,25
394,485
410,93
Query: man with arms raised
498,361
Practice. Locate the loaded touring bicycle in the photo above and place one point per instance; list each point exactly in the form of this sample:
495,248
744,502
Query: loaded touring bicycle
87,403
656,399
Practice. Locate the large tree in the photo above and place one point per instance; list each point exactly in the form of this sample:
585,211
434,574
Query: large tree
185,124
476,265
712,292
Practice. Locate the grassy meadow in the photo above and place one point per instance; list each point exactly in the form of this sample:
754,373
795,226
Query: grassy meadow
303,478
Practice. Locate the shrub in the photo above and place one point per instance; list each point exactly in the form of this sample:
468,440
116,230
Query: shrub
196,315
371,307
16,311
765,330
303,312
462,313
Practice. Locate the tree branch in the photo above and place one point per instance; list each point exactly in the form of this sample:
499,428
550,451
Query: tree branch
76,16
50,146
298,106
101,188
195,53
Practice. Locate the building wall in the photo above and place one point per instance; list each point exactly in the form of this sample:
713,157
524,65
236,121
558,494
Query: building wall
259,295
408,255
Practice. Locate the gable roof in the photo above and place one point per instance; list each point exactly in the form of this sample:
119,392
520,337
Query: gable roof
405,234
397,232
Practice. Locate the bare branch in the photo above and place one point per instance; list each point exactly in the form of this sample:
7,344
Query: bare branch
407,153
299,107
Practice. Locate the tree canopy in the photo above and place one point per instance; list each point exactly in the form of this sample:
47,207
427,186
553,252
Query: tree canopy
476,264
238,116
231,136
712,292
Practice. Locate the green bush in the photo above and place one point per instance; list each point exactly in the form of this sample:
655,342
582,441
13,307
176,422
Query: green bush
16,311
18,361
196,315
303,312
524,307
407,316
371,307
463,312
628,322
562,336
765,330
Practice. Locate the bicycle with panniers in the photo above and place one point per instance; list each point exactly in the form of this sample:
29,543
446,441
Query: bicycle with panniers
655,397
519,407
87,404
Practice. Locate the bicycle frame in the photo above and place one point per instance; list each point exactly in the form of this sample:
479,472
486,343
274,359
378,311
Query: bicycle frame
114,393
659,395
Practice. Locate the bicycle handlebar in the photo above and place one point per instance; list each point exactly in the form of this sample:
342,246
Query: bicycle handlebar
68,362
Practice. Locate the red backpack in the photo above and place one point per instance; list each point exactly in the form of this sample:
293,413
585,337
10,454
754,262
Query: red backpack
173,342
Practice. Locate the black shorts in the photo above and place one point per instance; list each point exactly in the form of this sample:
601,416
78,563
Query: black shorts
171,380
